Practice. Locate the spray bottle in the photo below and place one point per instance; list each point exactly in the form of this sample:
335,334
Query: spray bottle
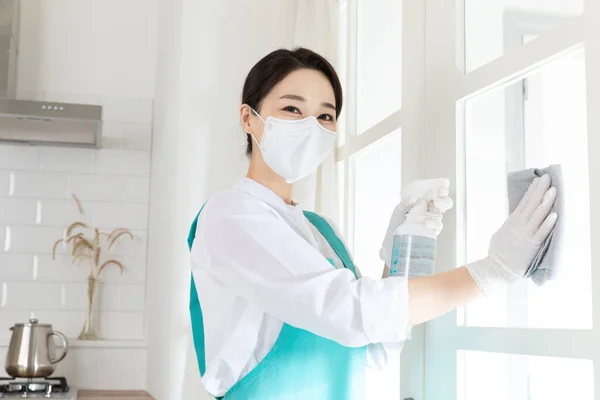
414,247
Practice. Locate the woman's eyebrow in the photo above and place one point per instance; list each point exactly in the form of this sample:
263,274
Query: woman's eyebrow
302,99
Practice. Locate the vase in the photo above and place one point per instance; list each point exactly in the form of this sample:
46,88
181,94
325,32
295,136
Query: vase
89,327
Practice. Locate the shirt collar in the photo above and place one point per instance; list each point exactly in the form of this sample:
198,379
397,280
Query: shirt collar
264,193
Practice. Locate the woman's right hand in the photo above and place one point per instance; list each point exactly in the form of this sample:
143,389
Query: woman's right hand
410,194
514,246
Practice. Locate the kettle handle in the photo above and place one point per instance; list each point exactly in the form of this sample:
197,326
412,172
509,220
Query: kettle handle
65,345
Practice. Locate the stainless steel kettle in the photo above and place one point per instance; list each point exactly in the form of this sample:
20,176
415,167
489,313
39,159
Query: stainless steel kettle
31,350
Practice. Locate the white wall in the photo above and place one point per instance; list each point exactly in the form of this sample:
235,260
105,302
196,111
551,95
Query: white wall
205,48
98,52
88,47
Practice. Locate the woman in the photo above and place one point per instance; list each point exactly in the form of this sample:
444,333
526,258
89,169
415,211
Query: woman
284,312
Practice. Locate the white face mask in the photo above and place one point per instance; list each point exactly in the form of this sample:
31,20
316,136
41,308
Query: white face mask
294,148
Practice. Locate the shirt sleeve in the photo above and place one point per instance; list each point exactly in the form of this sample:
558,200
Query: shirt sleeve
255,253
378,354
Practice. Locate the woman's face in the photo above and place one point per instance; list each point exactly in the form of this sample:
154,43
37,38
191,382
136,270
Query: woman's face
302,93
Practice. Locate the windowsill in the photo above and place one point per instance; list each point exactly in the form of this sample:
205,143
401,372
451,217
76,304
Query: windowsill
99,344
131,344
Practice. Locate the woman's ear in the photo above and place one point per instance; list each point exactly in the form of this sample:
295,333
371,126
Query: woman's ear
245,114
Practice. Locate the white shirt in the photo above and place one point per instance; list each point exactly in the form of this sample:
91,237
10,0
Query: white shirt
257,262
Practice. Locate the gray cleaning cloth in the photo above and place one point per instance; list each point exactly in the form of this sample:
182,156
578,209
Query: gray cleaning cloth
544,266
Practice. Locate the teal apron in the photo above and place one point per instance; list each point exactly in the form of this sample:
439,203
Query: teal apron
301,365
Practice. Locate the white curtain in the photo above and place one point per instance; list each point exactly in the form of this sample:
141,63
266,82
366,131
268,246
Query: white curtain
314,24
316,28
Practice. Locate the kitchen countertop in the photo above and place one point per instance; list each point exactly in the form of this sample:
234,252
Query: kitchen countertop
114,395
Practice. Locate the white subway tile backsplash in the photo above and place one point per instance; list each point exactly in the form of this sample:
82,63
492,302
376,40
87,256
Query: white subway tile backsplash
17,211
19,157
136,189
16,267
115,215
101,368
123,162
61,213
108,297
127,109
69,159
134,271
137,136
4,181
8,318
122,325
32,296
59,270
113,184
49,185
33,239
3,238
95,187
67,322
132,297
104,215
74,296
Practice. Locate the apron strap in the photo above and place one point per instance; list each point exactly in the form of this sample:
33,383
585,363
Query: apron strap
196,310
334,241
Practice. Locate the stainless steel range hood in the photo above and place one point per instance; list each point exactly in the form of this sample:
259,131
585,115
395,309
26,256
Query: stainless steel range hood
38,122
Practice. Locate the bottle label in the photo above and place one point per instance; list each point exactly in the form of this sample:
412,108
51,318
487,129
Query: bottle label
413,256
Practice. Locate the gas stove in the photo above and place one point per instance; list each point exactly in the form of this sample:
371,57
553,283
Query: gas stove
44,388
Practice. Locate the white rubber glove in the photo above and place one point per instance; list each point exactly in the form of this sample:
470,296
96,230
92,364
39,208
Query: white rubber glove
515,244
408,197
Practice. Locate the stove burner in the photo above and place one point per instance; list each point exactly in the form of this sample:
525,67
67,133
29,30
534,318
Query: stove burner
47,386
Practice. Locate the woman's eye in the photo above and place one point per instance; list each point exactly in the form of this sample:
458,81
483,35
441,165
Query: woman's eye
326,117
292,109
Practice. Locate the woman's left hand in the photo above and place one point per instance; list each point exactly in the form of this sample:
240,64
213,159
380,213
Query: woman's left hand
409,196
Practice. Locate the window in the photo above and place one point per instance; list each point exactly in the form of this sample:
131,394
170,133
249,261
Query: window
514,85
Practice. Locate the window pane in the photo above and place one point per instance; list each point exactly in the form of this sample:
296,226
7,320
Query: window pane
379,61
533,123
376,193
500,376
495,27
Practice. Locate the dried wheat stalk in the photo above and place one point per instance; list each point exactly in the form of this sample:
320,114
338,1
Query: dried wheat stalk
79,207
91,249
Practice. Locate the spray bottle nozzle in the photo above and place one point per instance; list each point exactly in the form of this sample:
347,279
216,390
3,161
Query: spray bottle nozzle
430,206
425,204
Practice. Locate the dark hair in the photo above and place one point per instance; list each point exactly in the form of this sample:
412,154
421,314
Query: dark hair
274,67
